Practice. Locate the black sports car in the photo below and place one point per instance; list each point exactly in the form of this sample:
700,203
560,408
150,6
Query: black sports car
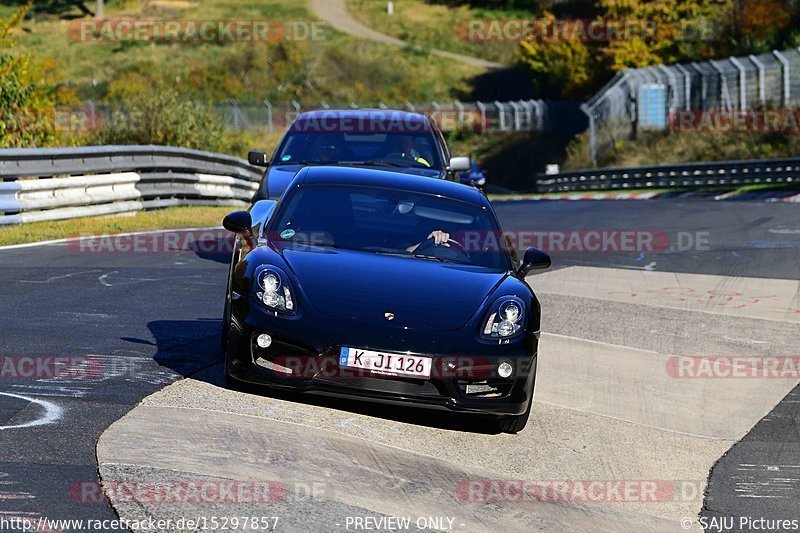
377,138
385,286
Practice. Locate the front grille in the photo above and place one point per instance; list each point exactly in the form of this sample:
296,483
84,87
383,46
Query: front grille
389,386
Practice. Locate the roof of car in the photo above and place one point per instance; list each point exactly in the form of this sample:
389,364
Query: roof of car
391,180
373,120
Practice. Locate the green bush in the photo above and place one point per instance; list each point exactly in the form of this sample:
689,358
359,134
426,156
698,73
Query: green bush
163,117
26,109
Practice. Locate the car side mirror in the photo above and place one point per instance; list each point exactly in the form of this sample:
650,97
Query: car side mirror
458,164
239,222
261,211
258,159
535,259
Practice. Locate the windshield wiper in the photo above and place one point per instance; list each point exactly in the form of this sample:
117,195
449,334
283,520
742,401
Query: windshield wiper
432,258
419,256
303,163
375,164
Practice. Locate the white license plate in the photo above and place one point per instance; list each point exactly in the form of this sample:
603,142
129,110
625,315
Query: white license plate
386,363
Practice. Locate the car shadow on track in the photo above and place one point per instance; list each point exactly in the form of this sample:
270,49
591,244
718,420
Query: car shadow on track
184,346
191,348
217,248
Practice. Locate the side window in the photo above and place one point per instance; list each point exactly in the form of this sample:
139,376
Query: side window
445,148
512,252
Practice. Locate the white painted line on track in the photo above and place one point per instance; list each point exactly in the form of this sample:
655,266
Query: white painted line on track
52,412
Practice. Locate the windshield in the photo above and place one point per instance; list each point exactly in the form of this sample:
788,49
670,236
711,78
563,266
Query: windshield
406,149
389,221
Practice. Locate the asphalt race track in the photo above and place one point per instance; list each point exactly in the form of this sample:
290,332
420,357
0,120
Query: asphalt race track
722,279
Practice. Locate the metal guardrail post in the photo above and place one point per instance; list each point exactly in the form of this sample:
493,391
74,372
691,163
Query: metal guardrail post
270,124
537,124
502,115
437,108
687,87
742,82
703,84
670,94
235,109
515,107
592,134
724,93
460,108
786,87
482,109
762,79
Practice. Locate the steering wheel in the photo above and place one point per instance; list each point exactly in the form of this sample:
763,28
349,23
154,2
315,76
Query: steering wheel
398,157
455,251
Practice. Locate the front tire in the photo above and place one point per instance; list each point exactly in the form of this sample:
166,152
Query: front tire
232,347
226,314
514,424
226,325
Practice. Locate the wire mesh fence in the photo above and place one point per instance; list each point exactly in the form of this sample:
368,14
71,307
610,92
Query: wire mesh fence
662,97
265,116
522,115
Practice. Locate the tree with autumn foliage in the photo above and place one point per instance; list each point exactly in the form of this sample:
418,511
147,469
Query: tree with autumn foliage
29,92
682,30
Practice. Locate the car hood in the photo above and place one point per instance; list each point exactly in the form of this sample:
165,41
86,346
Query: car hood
281,175
364,287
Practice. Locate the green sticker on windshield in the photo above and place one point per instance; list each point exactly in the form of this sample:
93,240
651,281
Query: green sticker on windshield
287,234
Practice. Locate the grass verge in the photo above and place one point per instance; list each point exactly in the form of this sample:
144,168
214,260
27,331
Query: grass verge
169,218
440,26
665,147
334,67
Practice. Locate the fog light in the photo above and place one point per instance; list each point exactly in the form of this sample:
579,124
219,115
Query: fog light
505,370
264,340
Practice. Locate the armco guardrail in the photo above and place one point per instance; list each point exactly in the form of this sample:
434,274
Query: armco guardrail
681,176
61,183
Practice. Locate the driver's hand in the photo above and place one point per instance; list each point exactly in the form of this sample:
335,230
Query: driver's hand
440,237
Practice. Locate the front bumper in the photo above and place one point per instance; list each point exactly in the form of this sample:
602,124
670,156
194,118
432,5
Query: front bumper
464,379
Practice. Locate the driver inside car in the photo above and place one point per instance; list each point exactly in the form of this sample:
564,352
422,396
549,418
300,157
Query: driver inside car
440,238
402,147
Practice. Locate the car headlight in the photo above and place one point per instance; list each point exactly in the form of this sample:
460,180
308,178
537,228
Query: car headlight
506,319
273,290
